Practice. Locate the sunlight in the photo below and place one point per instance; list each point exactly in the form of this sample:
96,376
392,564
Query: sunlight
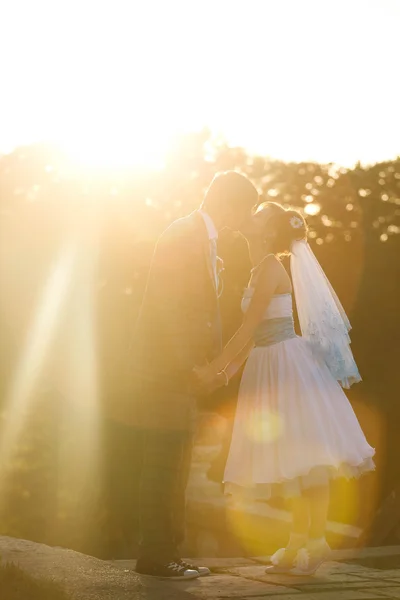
66,309
123,147
265,429
36,350
312,209
79,447
112,82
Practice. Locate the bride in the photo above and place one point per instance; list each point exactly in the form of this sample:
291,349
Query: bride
294,428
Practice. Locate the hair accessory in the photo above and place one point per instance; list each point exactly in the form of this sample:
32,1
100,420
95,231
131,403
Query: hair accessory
296,222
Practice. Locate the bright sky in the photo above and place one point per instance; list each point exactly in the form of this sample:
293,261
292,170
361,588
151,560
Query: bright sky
113,80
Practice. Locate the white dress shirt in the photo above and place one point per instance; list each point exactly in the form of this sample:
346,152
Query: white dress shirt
213,237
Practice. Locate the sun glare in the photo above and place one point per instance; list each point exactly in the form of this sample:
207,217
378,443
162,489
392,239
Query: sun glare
116,149
113,81
36,351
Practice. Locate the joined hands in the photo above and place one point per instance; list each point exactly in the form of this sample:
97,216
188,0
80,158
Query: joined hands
206,380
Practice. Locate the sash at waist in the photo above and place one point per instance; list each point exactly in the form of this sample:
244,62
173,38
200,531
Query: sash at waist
273,331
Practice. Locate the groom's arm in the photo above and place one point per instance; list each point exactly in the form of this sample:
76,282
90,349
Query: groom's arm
223,378
169,268
171,298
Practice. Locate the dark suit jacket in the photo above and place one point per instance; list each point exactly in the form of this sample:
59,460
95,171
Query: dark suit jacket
179,324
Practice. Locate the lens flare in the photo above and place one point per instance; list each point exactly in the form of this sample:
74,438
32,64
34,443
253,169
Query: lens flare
35,353
265,428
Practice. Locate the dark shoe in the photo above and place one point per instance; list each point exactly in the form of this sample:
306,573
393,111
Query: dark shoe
202,571
171,570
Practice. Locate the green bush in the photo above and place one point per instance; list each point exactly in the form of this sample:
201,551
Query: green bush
15,584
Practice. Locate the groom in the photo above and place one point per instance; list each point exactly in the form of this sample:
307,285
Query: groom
177,329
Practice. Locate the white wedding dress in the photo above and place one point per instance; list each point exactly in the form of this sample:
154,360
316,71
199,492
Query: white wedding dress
294,426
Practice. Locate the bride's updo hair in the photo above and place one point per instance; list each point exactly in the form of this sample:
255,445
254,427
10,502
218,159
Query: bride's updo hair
283,227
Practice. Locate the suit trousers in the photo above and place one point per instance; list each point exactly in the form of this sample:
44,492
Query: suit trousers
165,467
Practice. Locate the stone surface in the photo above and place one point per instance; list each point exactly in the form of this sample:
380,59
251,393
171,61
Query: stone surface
87,578
333,567
352,554
226,586
245,578
393,574
391,592
338,595
345,595
258,573
368,552
318,596
84,577
324,578
278,597
322,586
215,564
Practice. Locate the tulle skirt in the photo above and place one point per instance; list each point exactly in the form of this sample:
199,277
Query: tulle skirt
294,426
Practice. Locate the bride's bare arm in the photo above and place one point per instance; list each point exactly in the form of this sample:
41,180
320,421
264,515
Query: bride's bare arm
237,362
264,290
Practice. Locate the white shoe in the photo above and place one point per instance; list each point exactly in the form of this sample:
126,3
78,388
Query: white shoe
282,562
309,560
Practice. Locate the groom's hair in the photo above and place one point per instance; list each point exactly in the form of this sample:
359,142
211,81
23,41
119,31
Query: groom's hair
230,189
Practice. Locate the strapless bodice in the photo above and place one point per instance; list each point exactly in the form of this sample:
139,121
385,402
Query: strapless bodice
280,305
277,324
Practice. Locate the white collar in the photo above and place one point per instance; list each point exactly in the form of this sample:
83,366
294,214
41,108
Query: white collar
209,223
